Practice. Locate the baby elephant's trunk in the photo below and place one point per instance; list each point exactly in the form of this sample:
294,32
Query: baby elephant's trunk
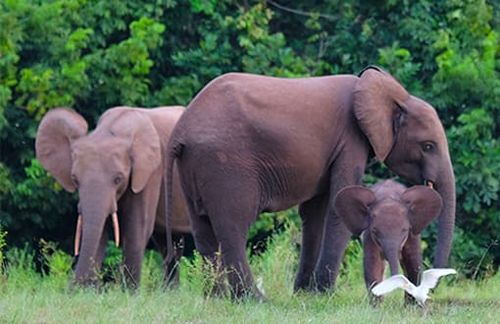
392,253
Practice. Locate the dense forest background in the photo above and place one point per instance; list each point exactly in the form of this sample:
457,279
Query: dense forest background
93,55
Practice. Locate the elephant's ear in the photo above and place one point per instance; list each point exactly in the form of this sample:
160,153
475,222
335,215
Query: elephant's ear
57,130
352,205
376,102
424,204
146,151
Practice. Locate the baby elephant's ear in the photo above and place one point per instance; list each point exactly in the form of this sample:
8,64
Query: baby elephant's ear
352,205
424,204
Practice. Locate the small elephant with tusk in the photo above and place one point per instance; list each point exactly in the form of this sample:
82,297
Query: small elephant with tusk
118,170
390,217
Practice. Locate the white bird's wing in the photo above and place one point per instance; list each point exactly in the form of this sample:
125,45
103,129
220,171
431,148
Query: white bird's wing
431,277
391,283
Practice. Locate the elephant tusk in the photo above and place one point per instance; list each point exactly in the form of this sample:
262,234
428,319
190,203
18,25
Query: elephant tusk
429,184
78,235
116,228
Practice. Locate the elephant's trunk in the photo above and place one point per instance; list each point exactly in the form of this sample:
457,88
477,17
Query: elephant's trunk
92,231
445,185
78,232
391,253
95,209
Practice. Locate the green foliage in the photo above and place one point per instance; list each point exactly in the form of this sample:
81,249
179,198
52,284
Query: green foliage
200,274
58,263
20,268
476,153
112,269
268,223
477,160
3,243
92,55
278,263
152,272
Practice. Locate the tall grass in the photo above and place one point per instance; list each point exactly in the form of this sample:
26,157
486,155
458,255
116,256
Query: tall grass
28,296
3,243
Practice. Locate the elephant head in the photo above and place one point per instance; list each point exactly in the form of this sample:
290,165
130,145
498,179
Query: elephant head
119,155
406,134
388,216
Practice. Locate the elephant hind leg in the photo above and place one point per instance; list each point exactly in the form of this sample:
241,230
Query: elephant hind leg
231,210
206,243
313,214
232,245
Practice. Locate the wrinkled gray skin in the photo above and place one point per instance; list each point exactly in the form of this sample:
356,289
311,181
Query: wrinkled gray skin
117,167
250,143
391,218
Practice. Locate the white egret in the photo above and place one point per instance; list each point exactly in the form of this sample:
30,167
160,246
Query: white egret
429,280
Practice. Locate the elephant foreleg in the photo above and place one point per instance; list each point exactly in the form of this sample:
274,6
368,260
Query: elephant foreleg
373,265
133,256
134,246
332,253
347,170
209,248
412,262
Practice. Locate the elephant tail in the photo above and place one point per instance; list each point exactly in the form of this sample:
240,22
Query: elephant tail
173,152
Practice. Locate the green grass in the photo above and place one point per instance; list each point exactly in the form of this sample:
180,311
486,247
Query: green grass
27,297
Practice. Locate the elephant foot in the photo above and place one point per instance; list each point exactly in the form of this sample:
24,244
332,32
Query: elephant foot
323,280
253,295
247,289
217,290
223,291
89,282
305,284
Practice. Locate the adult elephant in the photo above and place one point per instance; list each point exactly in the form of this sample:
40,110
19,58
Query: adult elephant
248,144
118,170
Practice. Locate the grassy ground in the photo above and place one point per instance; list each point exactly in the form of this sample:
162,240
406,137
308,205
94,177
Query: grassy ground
27,297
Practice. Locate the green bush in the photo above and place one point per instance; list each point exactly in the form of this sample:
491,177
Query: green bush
2,246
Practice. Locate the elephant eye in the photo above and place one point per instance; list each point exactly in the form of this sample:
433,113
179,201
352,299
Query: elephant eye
117,180
428,147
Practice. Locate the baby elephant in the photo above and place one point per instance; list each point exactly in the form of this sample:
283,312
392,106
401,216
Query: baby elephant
392,217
